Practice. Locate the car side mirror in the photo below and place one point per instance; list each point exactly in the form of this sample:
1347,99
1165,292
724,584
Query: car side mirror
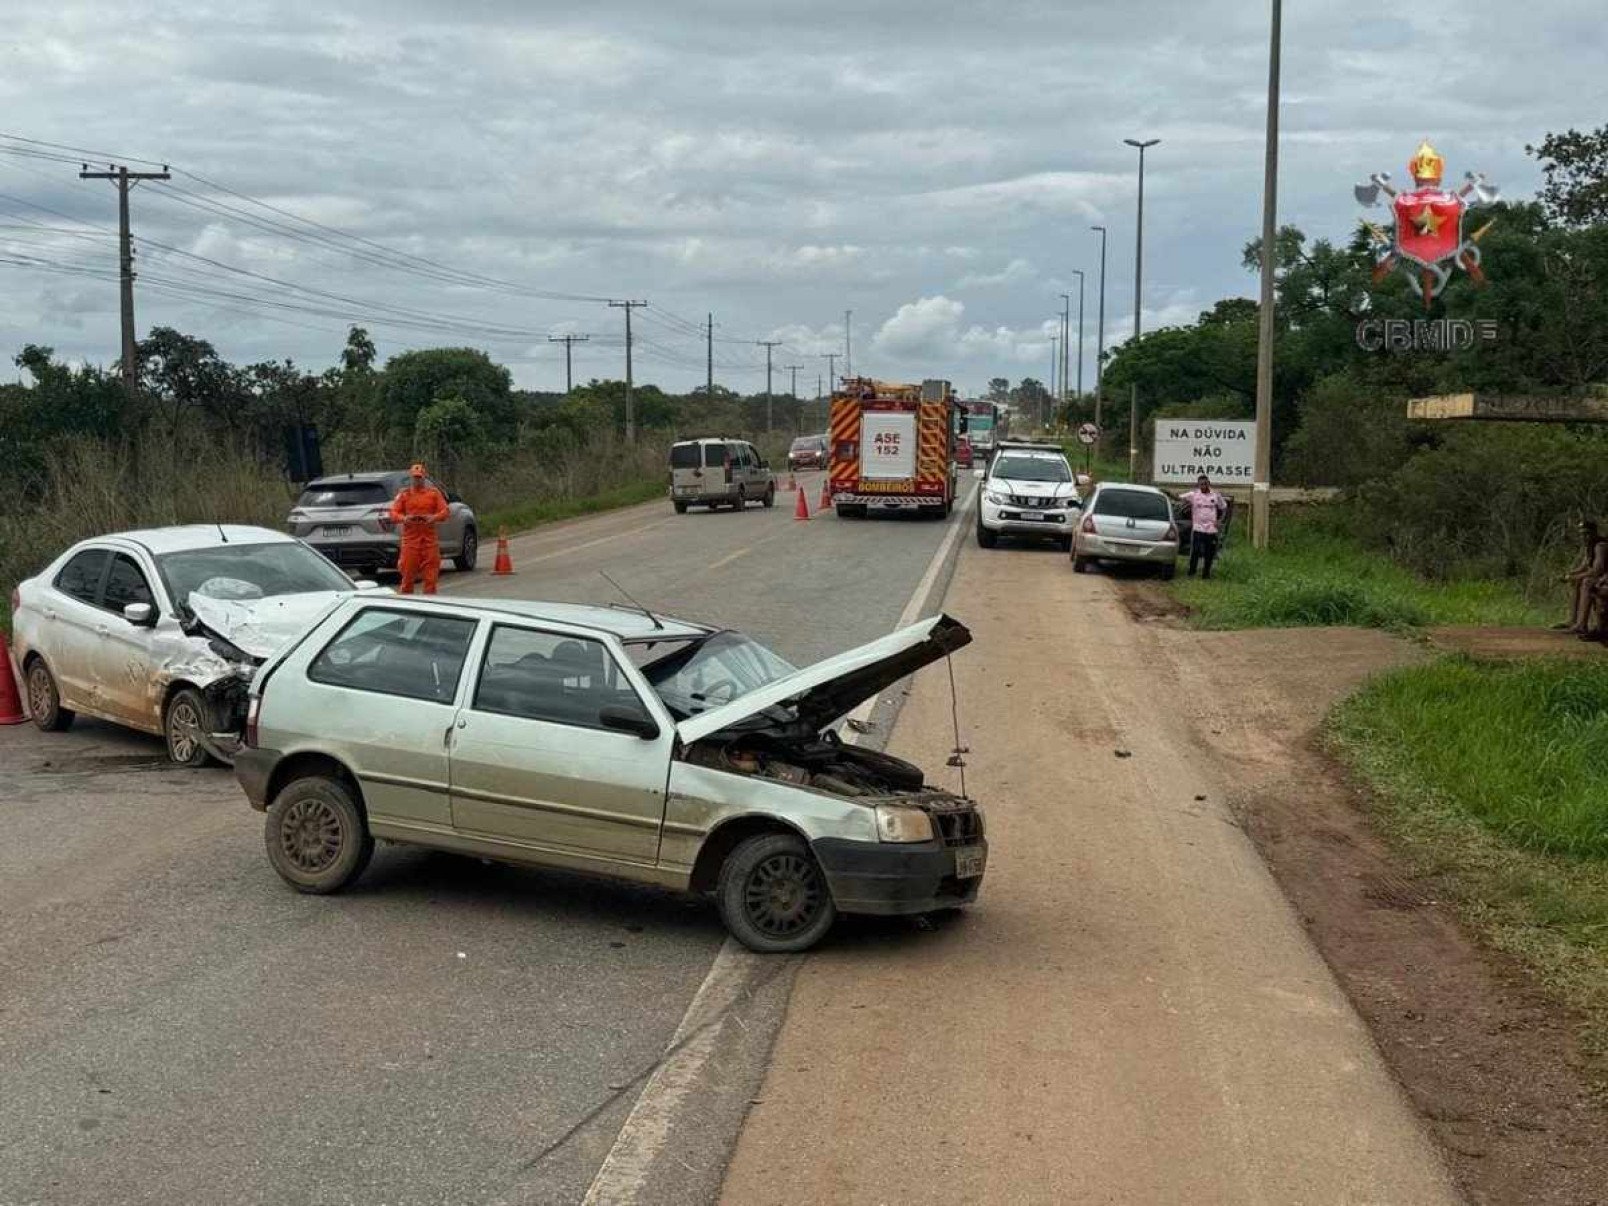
764,464
141,615
623,719
366,584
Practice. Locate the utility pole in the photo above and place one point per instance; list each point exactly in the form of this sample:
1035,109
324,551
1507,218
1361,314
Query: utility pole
1066,346
1099,333
768,344
1138,287
848,343
569,341
630,404
709,362
831,359
1262,482
1055,369
124,179
1078,272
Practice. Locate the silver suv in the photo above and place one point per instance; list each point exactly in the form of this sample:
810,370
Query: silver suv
607,741
719,472
348,519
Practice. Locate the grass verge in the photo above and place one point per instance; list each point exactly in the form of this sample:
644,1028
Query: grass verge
1492,780
1313,574
529,515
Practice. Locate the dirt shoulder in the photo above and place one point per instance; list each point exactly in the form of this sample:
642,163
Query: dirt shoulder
1133,1011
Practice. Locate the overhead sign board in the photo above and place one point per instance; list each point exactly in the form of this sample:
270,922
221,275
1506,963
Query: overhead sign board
1224,450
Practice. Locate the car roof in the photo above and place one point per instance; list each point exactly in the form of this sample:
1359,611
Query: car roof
378,475
1135,486
626,623
713,440
184,537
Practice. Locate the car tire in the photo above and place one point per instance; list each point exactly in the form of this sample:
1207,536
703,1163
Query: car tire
681,507
770,496
317,838
741,504
985,538
773,896
183,722
44,699
465,561
1080,565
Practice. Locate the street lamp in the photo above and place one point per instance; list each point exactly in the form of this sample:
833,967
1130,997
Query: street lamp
1078,272
1066,346
1138,287
1099,331
1261,483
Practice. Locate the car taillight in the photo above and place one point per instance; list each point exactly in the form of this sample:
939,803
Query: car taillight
1088,524
253,708
385,521
1172,532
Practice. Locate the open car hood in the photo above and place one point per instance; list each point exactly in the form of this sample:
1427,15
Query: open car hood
828,690
261,627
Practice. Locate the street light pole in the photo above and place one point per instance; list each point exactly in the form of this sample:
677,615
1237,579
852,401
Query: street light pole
1099,332
1262,481
1055,368
1138,293
1078,272
1066,344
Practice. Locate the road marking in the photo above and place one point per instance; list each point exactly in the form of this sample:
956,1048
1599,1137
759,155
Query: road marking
730,557
648,1127
449,587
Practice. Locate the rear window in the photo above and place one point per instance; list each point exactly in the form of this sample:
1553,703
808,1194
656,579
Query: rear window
1132,504
344,494
686,456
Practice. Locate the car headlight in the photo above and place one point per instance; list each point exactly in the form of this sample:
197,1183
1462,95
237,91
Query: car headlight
999,500
898,824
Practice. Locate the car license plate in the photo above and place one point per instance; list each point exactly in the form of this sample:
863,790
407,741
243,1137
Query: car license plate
969,861
1031,516
339,529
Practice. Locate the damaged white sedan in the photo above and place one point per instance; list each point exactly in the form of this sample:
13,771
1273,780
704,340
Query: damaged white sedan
162,630
608,741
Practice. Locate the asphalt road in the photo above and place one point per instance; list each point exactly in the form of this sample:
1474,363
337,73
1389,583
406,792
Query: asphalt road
178,1026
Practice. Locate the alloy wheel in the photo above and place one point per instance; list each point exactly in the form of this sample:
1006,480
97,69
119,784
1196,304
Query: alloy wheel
311,834
784,894
184,731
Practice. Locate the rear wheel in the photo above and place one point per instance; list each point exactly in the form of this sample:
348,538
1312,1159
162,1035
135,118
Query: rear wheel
742,500
183,724
681,507
772,895
770,495
316,837
44,700
465,561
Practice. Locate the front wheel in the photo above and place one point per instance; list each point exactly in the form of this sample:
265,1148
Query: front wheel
316,836
770,496
772,895
183,724
465,561
44,700
985,538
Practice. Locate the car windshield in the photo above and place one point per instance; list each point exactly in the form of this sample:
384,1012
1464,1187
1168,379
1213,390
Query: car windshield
249,571
695,677
806,443
1032,469
1132,504
344,494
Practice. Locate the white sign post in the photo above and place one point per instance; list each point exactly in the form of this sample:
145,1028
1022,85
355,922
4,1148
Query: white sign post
1223,449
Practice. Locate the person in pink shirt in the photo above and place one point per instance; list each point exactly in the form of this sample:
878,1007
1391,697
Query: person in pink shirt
1206,510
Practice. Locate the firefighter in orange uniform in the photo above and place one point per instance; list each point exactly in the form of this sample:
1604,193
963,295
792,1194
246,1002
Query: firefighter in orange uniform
419,508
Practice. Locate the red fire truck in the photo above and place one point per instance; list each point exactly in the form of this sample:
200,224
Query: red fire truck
893,447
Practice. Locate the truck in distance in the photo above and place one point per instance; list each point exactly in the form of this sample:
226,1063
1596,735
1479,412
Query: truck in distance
892,447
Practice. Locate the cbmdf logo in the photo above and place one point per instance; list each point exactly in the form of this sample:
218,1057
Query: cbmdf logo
1427,241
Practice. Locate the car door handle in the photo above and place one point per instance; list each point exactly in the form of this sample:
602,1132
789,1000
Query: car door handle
50,613
102,630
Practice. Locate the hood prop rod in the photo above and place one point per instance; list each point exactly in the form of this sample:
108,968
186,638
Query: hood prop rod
956,758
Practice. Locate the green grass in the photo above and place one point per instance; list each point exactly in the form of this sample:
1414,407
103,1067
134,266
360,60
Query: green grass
1314,575
1493,779
533,514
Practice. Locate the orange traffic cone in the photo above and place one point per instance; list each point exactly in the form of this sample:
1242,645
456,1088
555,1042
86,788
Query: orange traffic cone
504,564
801,508
826,494
10,697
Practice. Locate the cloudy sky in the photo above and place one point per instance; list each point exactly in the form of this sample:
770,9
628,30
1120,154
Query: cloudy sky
487,172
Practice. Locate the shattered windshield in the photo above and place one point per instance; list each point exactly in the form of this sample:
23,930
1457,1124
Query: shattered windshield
244,572
697,677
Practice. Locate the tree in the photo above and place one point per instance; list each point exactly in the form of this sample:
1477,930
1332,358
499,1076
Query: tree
184,375
359,353
999,389
1575,169
414,381
447,432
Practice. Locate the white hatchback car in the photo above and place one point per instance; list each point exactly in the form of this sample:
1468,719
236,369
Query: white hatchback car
162,630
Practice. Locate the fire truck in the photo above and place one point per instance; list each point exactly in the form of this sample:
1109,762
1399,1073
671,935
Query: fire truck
893,447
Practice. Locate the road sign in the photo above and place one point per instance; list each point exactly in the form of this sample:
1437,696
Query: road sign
1088,433
1223,450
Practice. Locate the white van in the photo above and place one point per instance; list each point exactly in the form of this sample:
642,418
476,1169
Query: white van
719,472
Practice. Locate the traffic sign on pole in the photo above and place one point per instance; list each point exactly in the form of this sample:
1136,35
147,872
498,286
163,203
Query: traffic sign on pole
1088,433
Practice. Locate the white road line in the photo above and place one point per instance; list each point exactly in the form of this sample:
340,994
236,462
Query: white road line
730,557
647,1128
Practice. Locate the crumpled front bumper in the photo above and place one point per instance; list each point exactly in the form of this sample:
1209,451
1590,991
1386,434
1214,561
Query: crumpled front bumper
894,877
